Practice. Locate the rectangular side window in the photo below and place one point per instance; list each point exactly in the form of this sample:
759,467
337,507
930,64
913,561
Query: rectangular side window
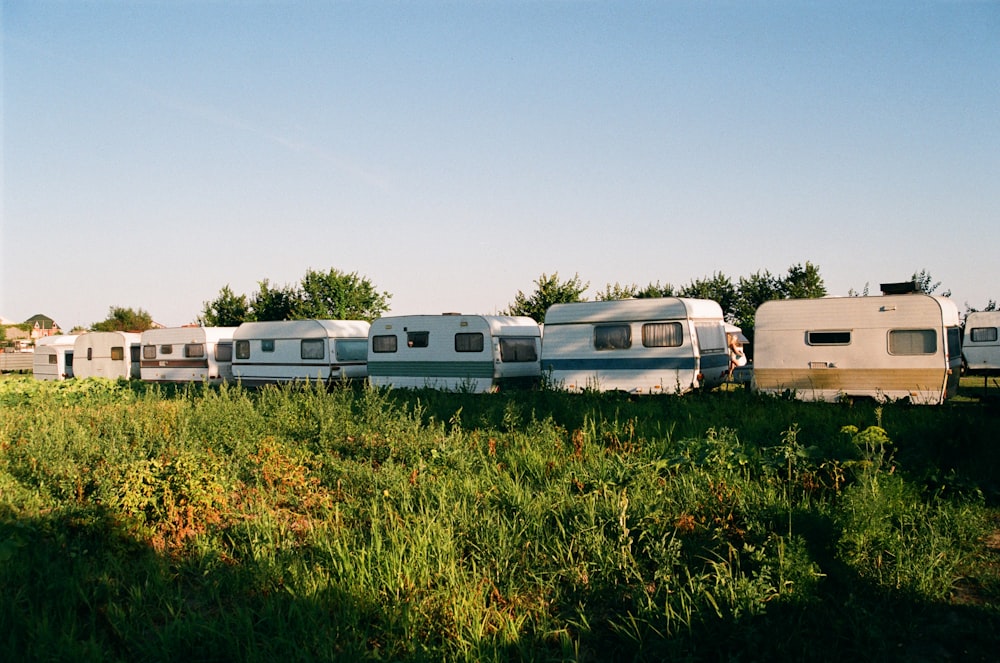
313,348
469,342
662,335
417,339
118,353
384,343
166,349
912,342
194,350
612,337
711,336
149,352
983,335
90,354
53,359
352,349
267,345
828,338
954,342
242,349
224,352
513,350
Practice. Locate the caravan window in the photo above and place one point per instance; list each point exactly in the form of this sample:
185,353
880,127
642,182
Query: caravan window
53,359
90,354
417,339
149,352
662,335
828,338
469,342
267,345
612,337
352,349
118,353
224,352
514,350
194,350
711,336
983,335
384,343
312,348
242,349
912,342
166,349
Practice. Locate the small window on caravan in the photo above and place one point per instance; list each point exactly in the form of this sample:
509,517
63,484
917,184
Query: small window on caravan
983,335
118,353
469,342
53,359
514,350
662,335
417,339
242,349
954,342
352,349
224,352
711,336
194,350
90,354
312,348
612,337
912,342
384,343
166,349
267,345
828,338
149,352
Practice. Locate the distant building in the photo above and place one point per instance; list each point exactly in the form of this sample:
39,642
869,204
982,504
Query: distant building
42,325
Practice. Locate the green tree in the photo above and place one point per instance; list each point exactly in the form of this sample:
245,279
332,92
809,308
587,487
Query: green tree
124,319
752,291
654,290
617,292
803,282
226,310
340,296
549,290
274,303
926,284
717,287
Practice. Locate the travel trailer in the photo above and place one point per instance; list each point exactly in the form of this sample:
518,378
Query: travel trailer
981,345
454,352
887,347
187,354
640,346
290,350
54,357
106,355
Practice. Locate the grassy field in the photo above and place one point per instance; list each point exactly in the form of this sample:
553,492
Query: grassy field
195,524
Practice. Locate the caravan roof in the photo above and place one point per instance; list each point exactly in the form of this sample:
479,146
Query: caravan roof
625,310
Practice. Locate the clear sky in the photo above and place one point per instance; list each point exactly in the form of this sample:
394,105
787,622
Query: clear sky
452,152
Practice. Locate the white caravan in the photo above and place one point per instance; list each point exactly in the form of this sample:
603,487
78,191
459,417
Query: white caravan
289,350
54,357
187,354
454,352
887,347
658,345
106,355
981,345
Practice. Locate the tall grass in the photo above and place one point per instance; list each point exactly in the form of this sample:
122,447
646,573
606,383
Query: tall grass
357,524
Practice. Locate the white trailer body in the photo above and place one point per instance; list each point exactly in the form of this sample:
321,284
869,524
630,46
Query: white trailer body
110,355
454,352
887,348
187,354
289,350
54,357
981,344
640,346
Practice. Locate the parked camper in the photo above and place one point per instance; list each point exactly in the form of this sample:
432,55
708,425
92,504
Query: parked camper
981,345
888,347
289,350
54,357
641,346
106,355
454,352
187,354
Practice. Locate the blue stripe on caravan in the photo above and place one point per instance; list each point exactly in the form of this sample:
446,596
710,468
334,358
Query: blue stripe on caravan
720,360
431,369
622,364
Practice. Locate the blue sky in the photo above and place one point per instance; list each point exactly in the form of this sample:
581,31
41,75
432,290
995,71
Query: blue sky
452,152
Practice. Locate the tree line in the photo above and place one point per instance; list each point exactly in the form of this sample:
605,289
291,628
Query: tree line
338,295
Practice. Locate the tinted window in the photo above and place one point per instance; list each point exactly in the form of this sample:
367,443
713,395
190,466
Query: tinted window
514,350
118,353
612,337
983,334
166,349
469,342
828,337
242,349
912,342
194,350
267,345
384,343
353,349
417,339
149,352
224,352
313,348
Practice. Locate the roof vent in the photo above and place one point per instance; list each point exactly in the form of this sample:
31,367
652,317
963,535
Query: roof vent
902,288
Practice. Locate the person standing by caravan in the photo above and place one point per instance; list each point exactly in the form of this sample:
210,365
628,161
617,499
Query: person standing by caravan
734,341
